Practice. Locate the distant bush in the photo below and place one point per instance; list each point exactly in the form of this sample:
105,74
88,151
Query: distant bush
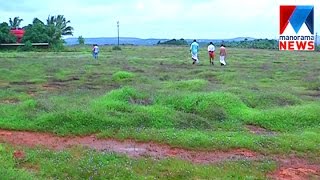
5,35
57,46
81,40
180,42
116,48
256,43
27,46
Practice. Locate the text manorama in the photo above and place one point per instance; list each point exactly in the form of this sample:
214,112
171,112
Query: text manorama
297,28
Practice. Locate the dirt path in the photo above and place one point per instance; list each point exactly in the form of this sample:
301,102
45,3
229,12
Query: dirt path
128,147
295,169
289,167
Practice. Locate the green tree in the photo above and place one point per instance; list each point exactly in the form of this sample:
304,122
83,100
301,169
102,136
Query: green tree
57,26
81,40
180,42
5,35
36,32
61,24
15,23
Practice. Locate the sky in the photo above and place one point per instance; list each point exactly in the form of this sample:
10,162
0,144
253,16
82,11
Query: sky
189,19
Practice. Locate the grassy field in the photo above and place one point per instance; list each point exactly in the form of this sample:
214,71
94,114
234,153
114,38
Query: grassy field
156,94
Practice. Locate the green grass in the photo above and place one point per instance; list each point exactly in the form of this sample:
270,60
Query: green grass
155,94
80,163
188,85
122,75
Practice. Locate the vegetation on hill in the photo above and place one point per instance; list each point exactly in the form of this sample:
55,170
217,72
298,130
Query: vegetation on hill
256,44
179,42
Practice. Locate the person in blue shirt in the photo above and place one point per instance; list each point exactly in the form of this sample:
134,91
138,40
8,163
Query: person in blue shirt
194,49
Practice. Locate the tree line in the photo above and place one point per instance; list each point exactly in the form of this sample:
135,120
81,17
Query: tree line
38,31
256,43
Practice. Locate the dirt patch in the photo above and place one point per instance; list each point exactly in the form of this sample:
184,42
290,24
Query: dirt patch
259,130
265,67
56,84
132,69
213,80
32,93
144,102
67,80
128,147
90,87
35,168
294,168
9,101
19,155
24,83
315,94
53,86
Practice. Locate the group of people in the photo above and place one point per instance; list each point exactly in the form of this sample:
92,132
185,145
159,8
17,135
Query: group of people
194,50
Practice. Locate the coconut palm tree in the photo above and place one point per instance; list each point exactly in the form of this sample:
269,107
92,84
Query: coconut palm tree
15,23
36,20
61,24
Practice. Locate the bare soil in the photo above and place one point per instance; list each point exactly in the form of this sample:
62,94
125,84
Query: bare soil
259,130
294,168
289,167
9,101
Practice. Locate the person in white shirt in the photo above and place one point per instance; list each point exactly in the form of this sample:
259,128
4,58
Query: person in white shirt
211,50
95,51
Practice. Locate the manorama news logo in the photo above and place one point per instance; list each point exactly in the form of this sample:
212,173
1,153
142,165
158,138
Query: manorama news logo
297,28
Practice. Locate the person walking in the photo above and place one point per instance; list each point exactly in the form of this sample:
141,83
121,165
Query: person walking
95,51
211,50
194,49
223,55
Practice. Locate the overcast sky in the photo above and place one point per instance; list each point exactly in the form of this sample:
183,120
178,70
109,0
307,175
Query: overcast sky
190,19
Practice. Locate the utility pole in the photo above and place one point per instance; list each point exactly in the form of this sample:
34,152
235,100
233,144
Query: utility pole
118,31
316,43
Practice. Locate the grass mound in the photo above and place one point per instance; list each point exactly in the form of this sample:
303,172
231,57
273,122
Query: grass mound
266,100
122,76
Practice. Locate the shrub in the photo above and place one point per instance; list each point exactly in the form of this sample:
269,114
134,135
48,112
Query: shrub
116,48
27,46
122,75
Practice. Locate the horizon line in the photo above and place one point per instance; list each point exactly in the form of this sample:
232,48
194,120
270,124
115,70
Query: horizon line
170,38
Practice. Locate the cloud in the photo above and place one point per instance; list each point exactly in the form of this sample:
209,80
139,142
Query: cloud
16,6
